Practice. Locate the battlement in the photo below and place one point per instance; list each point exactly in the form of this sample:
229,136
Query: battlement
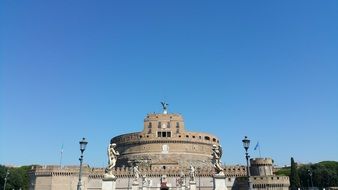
127,172
261,162
160,116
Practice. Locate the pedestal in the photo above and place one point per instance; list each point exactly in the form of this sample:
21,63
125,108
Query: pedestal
219,182
108,184
135,185
144,185
192,185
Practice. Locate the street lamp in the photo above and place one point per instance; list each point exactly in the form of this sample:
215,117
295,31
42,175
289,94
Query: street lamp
7,173
83,144
246,144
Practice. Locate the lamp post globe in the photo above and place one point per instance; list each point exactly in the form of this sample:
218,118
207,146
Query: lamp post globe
246,143
83,143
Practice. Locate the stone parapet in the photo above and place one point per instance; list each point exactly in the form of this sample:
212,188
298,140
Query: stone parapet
270,181
122,172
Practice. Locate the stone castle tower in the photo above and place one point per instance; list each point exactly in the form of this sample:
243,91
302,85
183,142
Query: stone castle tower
165,142
261,166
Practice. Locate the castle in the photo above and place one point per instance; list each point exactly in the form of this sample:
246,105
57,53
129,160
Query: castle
164,153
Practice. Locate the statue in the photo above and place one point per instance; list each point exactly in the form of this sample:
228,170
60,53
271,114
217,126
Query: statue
165,107
112,158
136,173
144,180
181,179
192,173
216,158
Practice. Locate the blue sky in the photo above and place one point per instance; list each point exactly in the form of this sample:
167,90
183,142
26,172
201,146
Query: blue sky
72,69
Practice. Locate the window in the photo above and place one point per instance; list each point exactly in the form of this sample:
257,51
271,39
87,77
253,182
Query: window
163,134
207,138
177,125
168,125
159,124
149,125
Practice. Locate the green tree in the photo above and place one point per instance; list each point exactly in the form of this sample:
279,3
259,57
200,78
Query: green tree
294,176
324,174
17,178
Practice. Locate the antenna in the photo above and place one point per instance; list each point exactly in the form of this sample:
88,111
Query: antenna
61,153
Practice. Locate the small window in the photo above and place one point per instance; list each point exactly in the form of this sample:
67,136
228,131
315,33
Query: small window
168,134
149,125
207,138
179,136
214,140
159,125
168,125
164,134
159,134
187,136
177,125
149,131
177,130
193,137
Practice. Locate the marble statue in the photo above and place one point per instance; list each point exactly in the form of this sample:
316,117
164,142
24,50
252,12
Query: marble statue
112,158
192,173
136,173
216,158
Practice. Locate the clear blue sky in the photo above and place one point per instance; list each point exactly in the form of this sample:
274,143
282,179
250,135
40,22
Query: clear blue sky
72,69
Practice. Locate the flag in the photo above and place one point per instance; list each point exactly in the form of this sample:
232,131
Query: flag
61,148
257,145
